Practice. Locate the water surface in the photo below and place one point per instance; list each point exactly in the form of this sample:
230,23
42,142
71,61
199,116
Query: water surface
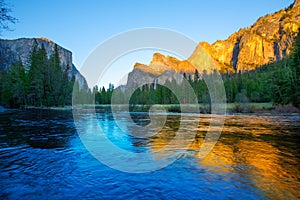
42,157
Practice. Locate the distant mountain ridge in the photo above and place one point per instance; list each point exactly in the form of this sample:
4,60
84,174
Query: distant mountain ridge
161,63
268,39
12,51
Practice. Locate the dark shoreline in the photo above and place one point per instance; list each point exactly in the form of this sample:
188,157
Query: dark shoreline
231,108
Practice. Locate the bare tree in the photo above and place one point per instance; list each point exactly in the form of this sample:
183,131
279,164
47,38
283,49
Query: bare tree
5,17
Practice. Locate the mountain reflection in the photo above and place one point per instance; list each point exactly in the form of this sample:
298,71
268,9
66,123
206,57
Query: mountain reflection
255,148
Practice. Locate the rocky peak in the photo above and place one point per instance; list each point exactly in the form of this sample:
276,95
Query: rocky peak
160,69
268,39
160,64
12,51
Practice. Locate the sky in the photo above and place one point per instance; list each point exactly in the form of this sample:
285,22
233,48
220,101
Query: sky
81,25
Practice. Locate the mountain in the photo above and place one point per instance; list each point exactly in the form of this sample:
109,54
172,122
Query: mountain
268,39
12,51
139,77
161,68
161,63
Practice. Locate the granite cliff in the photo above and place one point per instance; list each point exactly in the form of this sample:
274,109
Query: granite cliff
11,51
161,63
268,39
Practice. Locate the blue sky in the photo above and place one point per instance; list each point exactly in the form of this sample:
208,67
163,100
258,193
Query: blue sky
81,26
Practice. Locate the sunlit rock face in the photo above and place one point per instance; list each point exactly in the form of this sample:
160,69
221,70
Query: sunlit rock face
138,77
12,51
268,39
160,64
160,70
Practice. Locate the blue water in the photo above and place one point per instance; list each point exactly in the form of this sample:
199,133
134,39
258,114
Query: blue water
42,157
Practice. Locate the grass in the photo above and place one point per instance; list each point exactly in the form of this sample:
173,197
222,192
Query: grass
203,108
189,108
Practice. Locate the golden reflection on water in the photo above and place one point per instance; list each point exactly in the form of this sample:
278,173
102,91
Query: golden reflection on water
253,147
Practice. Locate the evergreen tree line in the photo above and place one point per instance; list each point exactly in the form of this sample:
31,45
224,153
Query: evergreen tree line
44,84
103,96
277,82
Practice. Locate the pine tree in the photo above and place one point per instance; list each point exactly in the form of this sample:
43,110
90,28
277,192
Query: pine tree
37,74
197,76
294,64
17,84
54,79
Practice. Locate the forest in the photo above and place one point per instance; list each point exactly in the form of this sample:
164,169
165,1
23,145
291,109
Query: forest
277,82
43,84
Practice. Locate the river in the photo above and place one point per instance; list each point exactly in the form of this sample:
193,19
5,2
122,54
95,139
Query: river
43,157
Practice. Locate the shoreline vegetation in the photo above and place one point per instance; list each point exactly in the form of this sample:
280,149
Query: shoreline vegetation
231,108
44,85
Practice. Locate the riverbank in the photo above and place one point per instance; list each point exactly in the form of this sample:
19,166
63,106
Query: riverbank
229,108
49,108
